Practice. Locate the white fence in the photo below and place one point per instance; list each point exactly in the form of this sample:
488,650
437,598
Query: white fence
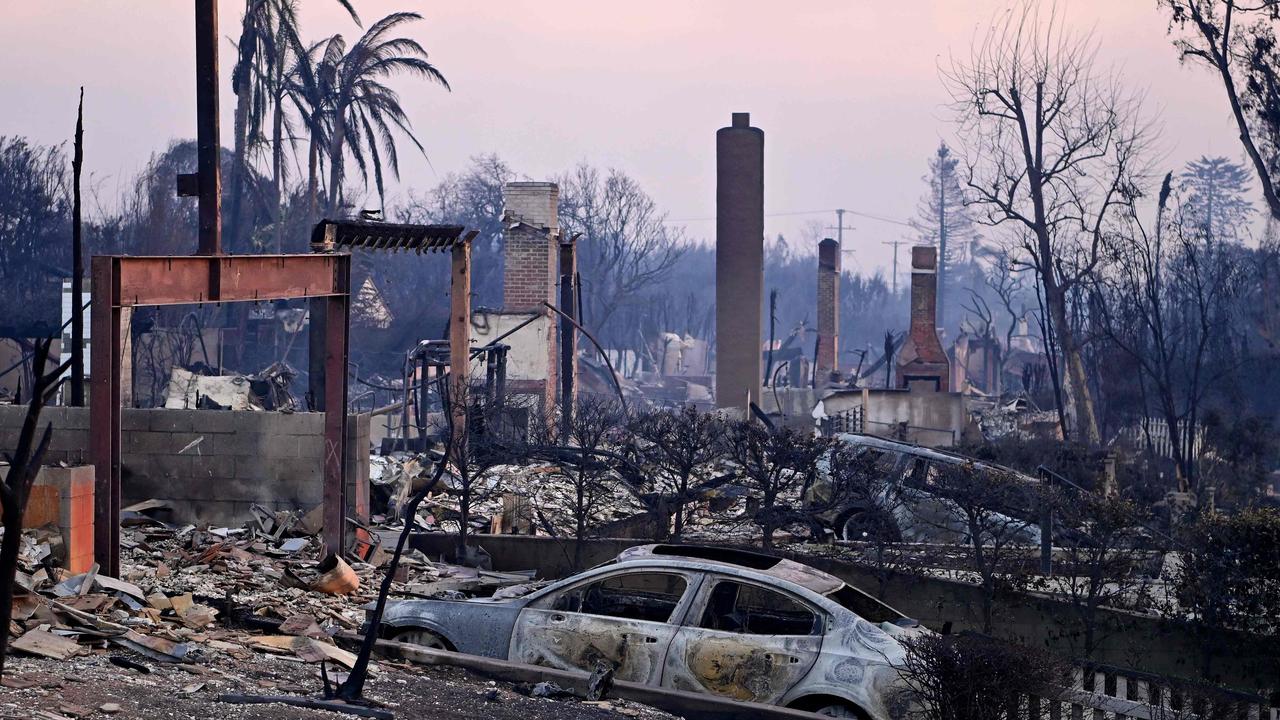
1099,694
1153,433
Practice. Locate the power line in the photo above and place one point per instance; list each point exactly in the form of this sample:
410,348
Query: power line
870,216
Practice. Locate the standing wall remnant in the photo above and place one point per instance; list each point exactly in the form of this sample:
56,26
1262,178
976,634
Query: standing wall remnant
739,261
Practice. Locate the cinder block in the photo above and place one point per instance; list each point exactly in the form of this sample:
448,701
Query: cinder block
133,419
301,423
67,440
171,420
173,467
64,497
240,443
310,447
77,418
219,421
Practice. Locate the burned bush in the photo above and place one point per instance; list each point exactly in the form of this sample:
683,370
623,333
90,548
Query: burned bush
974,677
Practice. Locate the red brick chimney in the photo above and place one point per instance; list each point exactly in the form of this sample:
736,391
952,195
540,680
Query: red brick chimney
828,311
531,249
531,245
922,363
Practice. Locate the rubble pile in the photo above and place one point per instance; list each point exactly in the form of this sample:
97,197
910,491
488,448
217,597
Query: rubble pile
542,494
185,593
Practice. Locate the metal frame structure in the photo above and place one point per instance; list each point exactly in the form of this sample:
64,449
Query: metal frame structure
124,282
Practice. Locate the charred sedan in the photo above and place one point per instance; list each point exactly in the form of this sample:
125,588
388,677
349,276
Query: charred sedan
738,624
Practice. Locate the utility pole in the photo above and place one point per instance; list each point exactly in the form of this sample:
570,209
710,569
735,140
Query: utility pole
209,171
840,227
895,244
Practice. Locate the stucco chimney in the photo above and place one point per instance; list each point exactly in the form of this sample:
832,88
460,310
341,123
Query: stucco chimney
739,261
922,363
828,311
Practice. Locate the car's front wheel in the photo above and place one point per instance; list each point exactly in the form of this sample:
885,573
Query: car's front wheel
425,638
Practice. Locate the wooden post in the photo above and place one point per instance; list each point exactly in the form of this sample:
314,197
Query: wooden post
460,334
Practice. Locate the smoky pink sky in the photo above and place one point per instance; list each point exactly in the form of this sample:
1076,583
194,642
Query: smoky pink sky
847,91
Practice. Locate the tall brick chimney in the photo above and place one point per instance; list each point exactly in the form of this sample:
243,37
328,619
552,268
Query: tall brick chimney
739,261
922,363
531,247
531,237
828,311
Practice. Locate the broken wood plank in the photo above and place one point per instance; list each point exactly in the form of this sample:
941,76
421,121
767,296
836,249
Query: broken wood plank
45,644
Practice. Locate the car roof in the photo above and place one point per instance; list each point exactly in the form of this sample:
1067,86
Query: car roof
711,557
924,452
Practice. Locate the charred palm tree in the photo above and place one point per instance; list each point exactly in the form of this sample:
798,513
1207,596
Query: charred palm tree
268,39
363,111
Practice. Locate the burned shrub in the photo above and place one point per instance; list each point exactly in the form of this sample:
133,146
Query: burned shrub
974,677
681,444
776,465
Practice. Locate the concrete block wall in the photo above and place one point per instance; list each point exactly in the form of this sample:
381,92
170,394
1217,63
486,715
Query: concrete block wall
211,465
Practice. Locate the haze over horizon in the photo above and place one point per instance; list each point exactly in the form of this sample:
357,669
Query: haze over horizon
851,113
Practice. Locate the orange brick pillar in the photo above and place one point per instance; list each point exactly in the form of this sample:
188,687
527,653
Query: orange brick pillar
63,497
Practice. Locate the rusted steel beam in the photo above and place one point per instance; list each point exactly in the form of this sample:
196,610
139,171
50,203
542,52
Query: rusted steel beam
120,282
208,165
460,334
104,413
226,278
336,333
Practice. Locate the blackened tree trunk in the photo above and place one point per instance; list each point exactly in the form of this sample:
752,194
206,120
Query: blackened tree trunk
23,467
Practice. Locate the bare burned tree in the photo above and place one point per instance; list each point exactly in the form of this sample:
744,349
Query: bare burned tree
486,443
1230,577
779,466
1238,41
1053,148
681,443
24,464
868,505
585,436
625,246
1161,301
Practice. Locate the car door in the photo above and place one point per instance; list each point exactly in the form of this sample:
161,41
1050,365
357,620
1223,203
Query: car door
745,641
622,619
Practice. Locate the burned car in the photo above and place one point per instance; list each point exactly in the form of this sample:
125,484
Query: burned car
909,500
733,623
